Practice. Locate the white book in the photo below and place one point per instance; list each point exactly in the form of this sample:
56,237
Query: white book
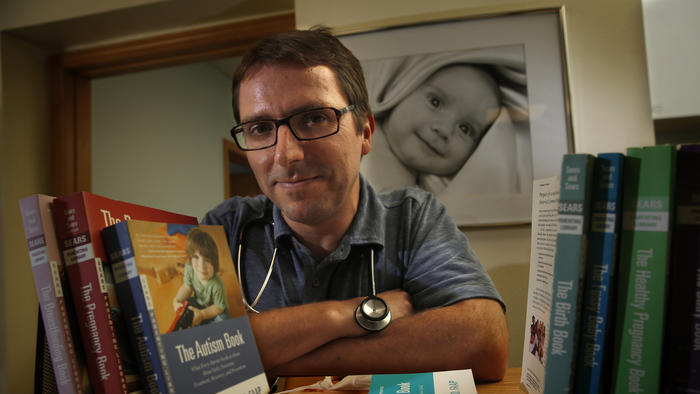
545,204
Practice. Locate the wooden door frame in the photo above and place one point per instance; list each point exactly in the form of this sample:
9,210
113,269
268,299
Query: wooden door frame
71,73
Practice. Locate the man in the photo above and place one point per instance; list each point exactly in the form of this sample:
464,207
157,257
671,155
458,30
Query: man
320,240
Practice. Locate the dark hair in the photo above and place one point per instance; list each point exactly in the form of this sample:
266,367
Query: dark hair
307,48
200,241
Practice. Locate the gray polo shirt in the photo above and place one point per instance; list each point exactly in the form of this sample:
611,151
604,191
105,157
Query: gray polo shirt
416,247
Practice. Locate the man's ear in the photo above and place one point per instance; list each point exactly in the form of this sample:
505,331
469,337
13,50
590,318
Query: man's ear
367,134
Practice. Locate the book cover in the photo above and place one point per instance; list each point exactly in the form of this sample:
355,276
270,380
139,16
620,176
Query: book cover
49,279
453,382
79,218
569,269
191,299
606,213
682,366
648,195
543,242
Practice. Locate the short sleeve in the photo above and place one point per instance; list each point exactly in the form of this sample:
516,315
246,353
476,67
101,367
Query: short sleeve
442,268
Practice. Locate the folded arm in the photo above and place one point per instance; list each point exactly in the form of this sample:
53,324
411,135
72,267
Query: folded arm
285,334
469,334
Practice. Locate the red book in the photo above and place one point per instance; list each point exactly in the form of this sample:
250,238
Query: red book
79,218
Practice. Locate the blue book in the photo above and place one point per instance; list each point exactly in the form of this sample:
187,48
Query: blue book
137,315
153,265
569,269
596,321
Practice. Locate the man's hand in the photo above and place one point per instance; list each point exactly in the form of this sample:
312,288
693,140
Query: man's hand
399,303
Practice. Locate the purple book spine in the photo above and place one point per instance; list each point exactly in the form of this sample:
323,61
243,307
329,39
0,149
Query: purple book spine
45,261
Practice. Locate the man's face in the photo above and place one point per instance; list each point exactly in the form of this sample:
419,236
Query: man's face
312,182
439,125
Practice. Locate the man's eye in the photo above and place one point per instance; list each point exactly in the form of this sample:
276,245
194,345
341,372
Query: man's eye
315,118
259,129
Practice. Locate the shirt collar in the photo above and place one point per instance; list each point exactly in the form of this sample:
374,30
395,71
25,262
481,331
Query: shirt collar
366,227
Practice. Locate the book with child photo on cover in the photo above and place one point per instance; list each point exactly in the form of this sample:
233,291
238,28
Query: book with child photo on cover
181,292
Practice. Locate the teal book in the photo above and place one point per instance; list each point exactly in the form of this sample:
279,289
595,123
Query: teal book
648,195
682,366
569,269
453,382
596,319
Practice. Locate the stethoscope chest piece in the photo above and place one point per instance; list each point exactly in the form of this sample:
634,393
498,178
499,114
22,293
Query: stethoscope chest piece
373,314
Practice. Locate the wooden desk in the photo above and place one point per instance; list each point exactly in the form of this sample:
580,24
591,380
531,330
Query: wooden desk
509,384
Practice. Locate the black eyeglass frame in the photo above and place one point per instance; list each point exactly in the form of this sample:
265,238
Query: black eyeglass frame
237,129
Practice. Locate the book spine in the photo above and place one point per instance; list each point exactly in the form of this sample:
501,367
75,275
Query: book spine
569,268
600,273
682,373
89,295
159,342
644,254
43,253
143,337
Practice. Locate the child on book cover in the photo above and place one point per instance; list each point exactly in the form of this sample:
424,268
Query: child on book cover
203,292
432,113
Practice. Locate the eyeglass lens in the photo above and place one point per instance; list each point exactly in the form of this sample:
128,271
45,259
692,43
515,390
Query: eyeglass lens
308,125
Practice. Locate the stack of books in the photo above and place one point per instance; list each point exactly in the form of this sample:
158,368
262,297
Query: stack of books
119,306
615,274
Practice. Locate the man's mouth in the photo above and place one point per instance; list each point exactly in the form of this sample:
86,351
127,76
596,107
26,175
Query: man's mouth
295,181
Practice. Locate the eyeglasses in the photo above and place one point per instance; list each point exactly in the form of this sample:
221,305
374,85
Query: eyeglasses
306,126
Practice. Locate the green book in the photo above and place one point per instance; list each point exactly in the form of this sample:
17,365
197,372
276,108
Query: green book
569,270
649,182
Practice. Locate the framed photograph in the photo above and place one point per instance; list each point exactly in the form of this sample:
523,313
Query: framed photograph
471,110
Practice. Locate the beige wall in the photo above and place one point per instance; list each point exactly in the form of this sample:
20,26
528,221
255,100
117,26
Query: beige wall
610,105
3,375
24,161
172,142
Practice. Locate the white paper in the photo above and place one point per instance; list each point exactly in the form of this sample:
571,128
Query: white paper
350,382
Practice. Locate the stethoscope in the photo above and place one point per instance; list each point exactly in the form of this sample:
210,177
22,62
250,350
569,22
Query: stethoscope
372,314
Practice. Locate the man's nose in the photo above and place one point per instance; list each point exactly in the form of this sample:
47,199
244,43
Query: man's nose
288,148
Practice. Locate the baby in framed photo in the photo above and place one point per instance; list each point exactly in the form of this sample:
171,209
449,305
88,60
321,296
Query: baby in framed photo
450,122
